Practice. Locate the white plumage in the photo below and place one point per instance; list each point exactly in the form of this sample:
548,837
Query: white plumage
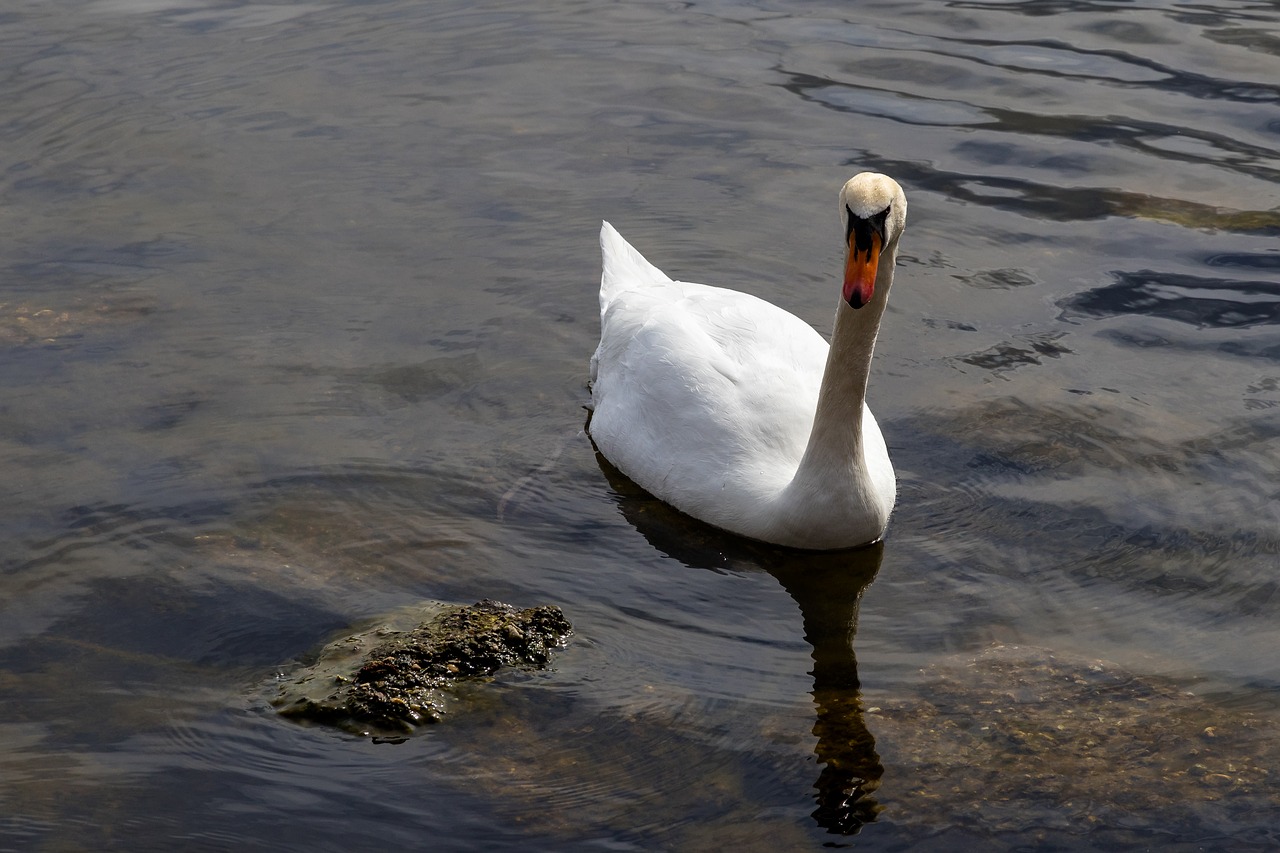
735,411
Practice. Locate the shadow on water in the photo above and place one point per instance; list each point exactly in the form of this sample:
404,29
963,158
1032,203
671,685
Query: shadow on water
828,588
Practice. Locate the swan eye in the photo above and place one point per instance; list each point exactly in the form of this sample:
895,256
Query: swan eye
878,221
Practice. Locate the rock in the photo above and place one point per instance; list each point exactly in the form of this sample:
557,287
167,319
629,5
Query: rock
1021,737
387,681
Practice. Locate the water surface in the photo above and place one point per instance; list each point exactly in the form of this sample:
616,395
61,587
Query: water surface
296,308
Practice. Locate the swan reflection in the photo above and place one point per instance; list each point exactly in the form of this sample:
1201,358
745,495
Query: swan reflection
828,588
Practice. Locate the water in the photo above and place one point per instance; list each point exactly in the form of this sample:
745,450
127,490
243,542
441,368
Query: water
296,307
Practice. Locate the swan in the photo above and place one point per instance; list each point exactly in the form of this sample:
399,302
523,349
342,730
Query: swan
737,412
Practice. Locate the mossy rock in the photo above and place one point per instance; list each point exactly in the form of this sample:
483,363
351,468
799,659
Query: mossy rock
388,680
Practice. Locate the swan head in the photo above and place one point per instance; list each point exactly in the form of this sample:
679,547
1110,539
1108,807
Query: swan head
873,211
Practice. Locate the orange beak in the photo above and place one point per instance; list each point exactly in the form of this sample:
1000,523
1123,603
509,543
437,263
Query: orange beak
860,271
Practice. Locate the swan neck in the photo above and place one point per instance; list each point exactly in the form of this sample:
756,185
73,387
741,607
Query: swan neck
836,439
853,339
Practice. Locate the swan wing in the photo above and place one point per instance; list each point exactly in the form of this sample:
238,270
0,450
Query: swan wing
703,396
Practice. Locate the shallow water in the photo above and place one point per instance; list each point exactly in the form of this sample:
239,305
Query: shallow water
296,307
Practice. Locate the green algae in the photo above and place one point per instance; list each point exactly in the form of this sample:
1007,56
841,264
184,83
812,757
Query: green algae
387,681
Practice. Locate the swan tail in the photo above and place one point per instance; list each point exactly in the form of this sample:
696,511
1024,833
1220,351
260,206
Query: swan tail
624,268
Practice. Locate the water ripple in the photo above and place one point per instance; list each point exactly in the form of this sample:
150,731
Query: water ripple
1196,300
354,246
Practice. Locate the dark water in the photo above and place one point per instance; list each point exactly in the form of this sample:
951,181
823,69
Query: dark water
295,310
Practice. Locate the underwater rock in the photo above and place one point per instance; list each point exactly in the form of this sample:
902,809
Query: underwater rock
1022,738
387,681
27,323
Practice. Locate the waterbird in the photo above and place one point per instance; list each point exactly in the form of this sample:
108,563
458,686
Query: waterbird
737,412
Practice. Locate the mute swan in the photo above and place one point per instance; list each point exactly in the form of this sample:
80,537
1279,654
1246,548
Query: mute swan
737,412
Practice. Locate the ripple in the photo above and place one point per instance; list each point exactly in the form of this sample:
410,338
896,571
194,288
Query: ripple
205,16
862,100
1028,350
1245,260
1202,302
1149,559
311,204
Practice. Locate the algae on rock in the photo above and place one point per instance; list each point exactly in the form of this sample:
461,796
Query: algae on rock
389,679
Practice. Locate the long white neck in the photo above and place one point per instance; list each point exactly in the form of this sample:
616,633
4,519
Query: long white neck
836,439
835,492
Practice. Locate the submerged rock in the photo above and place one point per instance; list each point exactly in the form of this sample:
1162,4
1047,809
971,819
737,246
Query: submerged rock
1023,738
26,323
388,680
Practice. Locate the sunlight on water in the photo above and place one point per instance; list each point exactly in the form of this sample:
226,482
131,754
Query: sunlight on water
297,305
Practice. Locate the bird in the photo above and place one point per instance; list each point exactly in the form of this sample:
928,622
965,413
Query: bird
735,411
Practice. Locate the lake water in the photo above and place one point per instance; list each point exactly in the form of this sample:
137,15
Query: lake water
295,315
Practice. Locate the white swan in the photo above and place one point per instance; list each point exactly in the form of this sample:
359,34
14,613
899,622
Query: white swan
737,412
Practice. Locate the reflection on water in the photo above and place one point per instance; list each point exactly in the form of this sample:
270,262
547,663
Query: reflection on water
828,588
1219,303
295,311
828,594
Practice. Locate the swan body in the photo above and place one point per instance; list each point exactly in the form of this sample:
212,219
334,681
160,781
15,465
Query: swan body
737,412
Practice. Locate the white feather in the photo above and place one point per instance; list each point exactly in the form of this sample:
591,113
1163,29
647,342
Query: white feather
706,397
